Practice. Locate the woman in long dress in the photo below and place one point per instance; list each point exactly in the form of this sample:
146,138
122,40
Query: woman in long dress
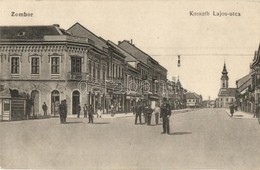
99,112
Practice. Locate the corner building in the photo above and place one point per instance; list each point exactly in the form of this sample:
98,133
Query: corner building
48,64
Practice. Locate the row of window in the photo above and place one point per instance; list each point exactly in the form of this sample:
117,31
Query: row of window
191,100
35,65
227,99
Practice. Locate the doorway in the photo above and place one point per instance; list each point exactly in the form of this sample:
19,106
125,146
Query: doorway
75,101
55,102
36,101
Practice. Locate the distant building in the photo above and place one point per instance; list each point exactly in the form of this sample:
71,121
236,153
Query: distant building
226,95
193,100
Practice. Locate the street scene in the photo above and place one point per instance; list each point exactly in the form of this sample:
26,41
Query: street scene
130,85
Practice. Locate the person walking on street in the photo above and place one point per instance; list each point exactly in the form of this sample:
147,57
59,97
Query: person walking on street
90,114
165,115
257,111
156,113
65,111
149,112
78,110
138,113
231,107
44,108
99,111
85,110
61,111
112,110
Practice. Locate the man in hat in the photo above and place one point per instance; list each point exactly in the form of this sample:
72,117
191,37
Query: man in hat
138,113
85,110
65,110
165,115
44,108
78,110
90,114
61,111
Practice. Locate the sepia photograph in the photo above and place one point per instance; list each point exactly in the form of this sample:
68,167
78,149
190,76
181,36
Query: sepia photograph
130,85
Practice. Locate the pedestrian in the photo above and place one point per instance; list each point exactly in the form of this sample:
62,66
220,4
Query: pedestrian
61,112
133,109
78,110
144,112
138,113
65,110
148,111
165,115
112,110
44,108
90,114
257,111
231,107
99,111
85,110
156,113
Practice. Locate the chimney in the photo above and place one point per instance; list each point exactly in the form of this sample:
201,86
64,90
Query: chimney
56,25
119,42
131,41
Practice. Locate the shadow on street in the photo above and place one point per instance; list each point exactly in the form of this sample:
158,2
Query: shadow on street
101,123
180,133
72,122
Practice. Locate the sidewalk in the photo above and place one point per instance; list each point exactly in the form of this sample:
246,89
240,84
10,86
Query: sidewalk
241,115
129,114
106,116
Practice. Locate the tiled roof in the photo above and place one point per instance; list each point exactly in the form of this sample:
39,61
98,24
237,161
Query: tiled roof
227,92
137,53
78,30
127,55
191,95
28,32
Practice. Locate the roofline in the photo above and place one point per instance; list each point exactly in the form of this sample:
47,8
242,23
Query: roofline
142,52
28,25
87,30
109,41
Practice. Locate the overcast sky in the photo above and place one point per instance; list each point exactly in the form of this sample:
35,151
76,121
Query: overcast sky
163,29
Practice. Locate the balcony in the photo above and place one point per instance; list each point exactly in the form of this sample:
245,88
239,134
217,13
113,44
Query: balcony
77,76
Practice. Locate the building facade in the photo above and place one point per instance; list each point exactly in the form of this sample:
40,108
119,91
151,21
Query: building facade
45,63
49,64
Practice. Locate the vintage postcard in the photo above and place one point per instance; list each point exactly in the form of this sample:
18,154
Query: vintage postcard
140,84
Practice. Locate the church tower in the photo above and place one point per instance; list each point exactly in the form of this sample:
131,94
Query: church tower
224,77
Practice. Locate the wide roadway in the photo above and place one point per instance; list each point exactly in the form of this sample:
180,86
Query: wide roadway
204,139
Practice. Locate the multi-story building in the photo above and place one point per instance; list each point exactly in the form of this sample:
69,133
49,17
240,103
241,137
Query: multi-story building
50,64
244,95
154,76
46,63
248,87
97,66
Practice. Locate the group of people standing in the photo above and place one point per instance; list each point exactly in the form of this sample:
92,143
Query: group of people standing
164,112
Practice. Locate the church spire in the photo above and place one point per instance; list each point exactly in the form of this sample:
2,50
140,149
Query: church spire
224,77
224,69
